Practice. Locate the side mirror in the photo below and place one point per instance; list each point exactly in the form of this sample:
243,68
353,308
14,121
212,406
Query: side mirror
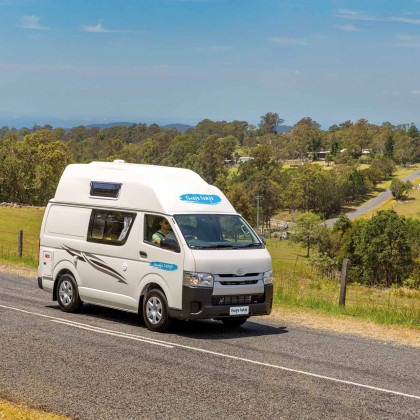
170,243
262,239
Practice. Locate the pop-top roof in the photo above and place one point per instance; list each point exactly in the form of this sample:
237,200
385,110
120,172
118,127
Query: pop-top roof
144,187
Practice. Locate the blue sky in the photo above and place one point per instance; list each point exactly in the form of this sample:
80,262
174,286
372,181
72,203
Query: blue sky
185,60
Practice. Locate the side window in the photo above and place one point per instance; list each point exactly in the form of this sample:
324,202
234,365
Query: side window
156,228
110,227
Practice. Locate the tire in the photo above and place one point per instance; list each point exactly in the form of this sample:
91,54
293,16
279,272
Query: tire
234,322
68,294
155,311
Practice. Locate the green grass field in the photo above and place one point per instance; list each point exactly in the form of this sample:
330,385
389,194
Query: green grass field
11,221
296,284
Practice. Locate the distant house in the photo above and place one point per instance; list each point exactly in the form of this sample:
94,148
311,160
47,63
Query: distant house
322,154
228,162
365,152
244,159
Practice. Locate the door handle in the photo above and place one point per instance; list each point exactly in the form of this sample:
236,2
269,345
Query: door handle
143,254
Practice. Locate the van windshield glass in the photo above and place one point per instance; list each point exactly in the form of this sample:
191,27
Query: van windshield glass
213,231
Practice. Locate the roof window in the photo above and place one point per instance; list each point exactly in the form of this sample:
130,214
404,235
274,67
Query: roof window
105,189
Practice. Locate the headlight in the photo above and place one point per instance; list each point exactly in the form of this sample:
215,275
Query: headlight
198,279
268,277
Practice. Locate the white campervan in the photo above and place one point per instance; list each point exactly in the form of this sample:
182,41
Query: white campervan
154,240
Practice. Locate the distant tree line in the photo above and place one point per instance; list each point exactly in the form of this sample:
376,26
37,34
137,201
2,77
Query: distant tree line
280,170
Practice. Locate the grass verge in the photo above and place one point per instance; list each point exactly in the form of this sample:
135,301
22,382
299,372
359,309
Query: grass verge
9,410
297,286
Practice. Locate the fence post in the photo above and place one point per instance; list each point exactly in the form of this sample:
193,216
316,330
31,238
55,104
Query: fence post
20,243
343,285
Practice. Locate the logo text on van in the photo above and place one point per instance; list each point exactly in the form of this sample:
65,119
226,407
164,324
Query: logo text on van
200,198
163,266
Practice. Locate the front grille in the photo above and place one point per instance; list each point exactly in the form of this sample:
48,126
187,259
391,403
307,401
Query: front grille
242,275
237,300
236,283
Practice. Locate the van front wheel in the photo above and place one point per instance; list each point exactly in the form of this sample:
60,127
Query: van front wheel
68,294
155,311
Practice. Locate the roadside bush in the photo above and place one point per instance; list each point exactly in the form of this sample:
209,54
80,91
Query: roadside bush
379,250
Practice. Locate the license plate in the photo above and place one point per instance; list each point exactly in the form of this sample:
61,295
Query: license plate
239,310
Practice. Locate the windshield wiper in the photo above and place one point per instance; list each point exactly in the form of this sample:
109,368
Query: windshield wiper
249,245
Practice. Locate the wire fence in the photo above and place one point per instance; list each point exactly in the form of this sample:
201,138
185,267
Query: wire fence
14,249
296,282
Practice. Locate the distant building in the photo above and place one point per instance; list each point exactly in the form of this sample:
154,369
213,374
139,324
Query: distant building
244,159
322,154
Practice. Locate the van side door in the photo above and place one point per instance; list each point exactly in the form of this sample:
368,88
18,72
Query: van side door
163,264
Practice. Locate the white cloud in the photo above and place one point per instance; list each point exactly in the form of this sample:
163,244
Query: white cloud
98,28
288,41
31,22
391,92
347,28
348,12
354,14
359,15
408,41
296,72
404,20
405,37
416,92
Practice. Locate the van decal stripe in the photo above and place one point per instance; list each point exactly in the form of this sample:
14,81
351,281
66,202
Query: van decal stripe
95,262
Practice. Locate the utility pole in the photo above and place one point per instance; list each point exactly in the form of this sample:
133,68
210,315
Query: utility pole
258,197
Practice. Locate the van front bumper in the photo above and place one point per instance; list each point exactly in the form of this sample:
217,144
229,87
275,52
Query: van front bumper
198,303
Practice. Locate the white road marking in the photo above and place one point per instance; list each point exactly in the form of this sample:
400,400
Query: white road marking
228,356
92,328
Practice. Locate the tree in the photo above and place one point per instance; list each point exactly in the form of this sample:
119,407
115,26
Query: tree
404,148
389,147
342,224
400,189
413,132
211,159
307,230
240,200
269,123
379,249
180,151
384,165
260,184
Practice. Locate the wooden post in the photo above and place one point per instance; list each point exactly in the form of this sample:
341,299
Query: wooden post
343,286
20,243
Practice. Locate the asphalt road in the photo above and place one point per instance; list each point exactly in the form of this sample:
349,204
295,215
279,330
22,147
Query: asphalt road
104,364
375,202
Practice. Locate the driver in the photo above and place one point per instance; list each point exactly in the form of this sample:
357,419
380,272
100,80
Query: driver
165,231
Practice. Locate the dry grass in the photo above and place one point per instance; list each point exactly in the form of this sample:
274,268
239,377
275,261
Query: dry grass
344,325
23,271
21,411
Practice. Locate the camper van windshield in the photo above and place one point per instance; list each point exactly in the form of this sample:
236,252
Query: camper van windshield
213,231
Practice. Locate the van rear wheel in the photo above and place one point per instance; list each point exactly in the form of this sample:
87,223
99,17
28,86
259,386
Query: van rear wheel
155,311
234,322
68,294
